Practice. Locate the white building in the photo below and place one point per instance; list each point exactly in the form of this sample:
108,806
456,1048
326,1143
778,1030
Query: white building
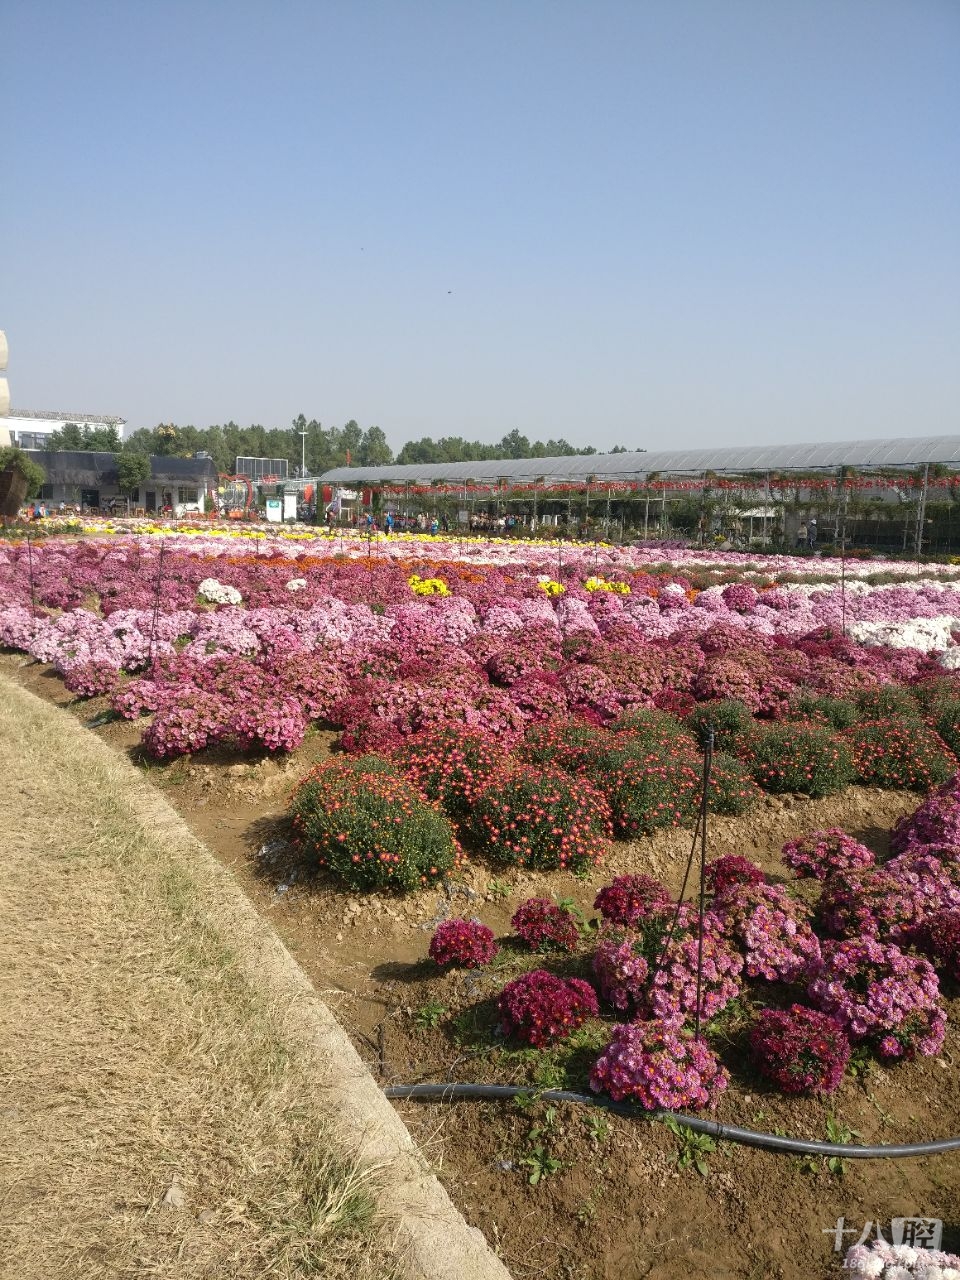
32,428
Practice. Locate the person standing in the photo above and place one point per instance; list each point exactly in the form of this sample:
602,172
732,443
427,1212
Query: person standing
802,535
812,532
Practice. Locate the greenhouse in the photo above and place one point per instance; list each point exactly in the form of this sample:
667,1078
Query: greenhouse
898,495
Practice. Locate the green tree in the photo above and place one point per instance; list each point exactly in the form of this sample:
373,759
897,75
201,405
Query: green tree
374,449
514,445
14,459
86,438
133,470
166,440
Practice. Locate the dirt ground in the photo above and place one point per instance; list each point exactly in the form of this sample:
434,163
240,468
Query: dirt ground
617,1206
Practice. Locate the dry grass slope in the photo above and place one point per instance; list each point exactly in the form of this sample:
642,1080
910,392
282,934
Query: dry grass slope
152,1121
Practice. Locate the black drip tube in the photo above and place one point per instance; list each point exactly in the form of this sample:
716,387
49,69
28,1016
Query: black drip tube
724,1132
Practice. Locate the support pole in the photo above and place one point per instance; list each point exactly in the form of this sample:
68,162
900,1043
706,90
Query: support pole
922,512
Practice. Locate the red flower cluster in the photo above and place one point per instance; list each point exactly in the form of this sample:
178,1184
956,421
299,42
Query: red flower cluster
800,1050
539,1007
545,926
542,818
811,761
902,755
358,819
467,943
631,898
451,765
731,869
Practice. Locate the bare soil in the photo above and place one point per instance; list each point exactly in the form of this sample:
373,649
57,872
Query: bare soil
618,1207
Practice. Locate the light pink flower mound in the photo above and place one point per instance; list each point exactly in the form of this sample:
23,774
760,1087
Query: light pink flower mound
660,1067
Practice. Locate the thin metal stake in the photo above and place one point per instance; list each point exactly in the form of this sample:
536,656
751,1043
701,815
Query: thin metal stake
33,588
156,599
699,834
704,806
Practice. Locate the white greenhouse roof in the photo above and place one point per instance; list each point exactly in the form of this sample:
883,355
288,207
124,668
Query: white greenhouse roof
904,451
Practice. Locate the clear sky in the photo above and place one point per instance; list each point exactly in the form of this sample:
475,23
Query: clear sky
650,222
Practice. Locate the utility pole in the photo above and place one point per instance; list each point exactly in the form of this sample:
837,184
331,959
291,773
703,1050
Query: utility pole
303,452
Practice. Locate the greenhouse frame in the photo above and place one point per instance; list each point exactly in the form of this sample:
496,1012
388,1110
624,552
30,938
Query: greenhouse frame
900,494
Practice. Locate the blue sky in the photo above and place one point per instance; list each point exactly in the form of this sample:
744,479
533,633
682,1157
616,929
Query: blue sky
675,222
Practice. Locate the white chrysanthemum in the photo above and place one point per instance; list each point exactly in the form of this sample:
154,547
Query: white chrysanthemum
296,584
926,634
219,592
862,1264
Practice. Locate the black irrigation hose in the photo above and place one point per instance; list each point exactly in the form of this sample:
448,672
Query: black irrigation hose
724,1132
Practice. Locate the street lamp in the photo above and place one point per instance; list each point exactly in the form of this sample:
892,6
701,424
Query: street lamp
303,452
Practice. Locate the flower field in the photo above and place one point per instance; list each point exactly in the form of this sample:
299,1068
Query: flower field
508,719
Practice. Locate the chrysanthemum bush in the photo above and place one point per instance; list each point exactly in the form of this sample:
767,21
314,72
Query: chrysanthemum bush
799,1049
832,713
621,970
651,968
945,715
572,745
888,903
731,869
451,765
887,702
900,754
648,727
674,985
198,703
541,818
935,823
772,930
92,679
218,592
881,996
629,899
882,1261
647,791
538,1007
939,939
731,722
808,760
467,943
369,827
819,854
733,791
645,765
546,926
187,726
660,1066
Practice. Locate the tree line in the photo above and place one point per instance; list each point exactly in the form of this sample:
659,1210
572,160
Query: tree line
321,446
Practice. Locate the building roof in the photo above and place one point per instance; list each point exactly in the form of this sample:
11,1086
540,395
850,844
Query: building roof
51,415
90,470
903,451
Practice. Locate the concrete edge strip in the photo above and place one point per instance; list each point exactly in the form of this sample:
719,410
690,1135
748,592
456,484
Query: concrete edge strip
434,1240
